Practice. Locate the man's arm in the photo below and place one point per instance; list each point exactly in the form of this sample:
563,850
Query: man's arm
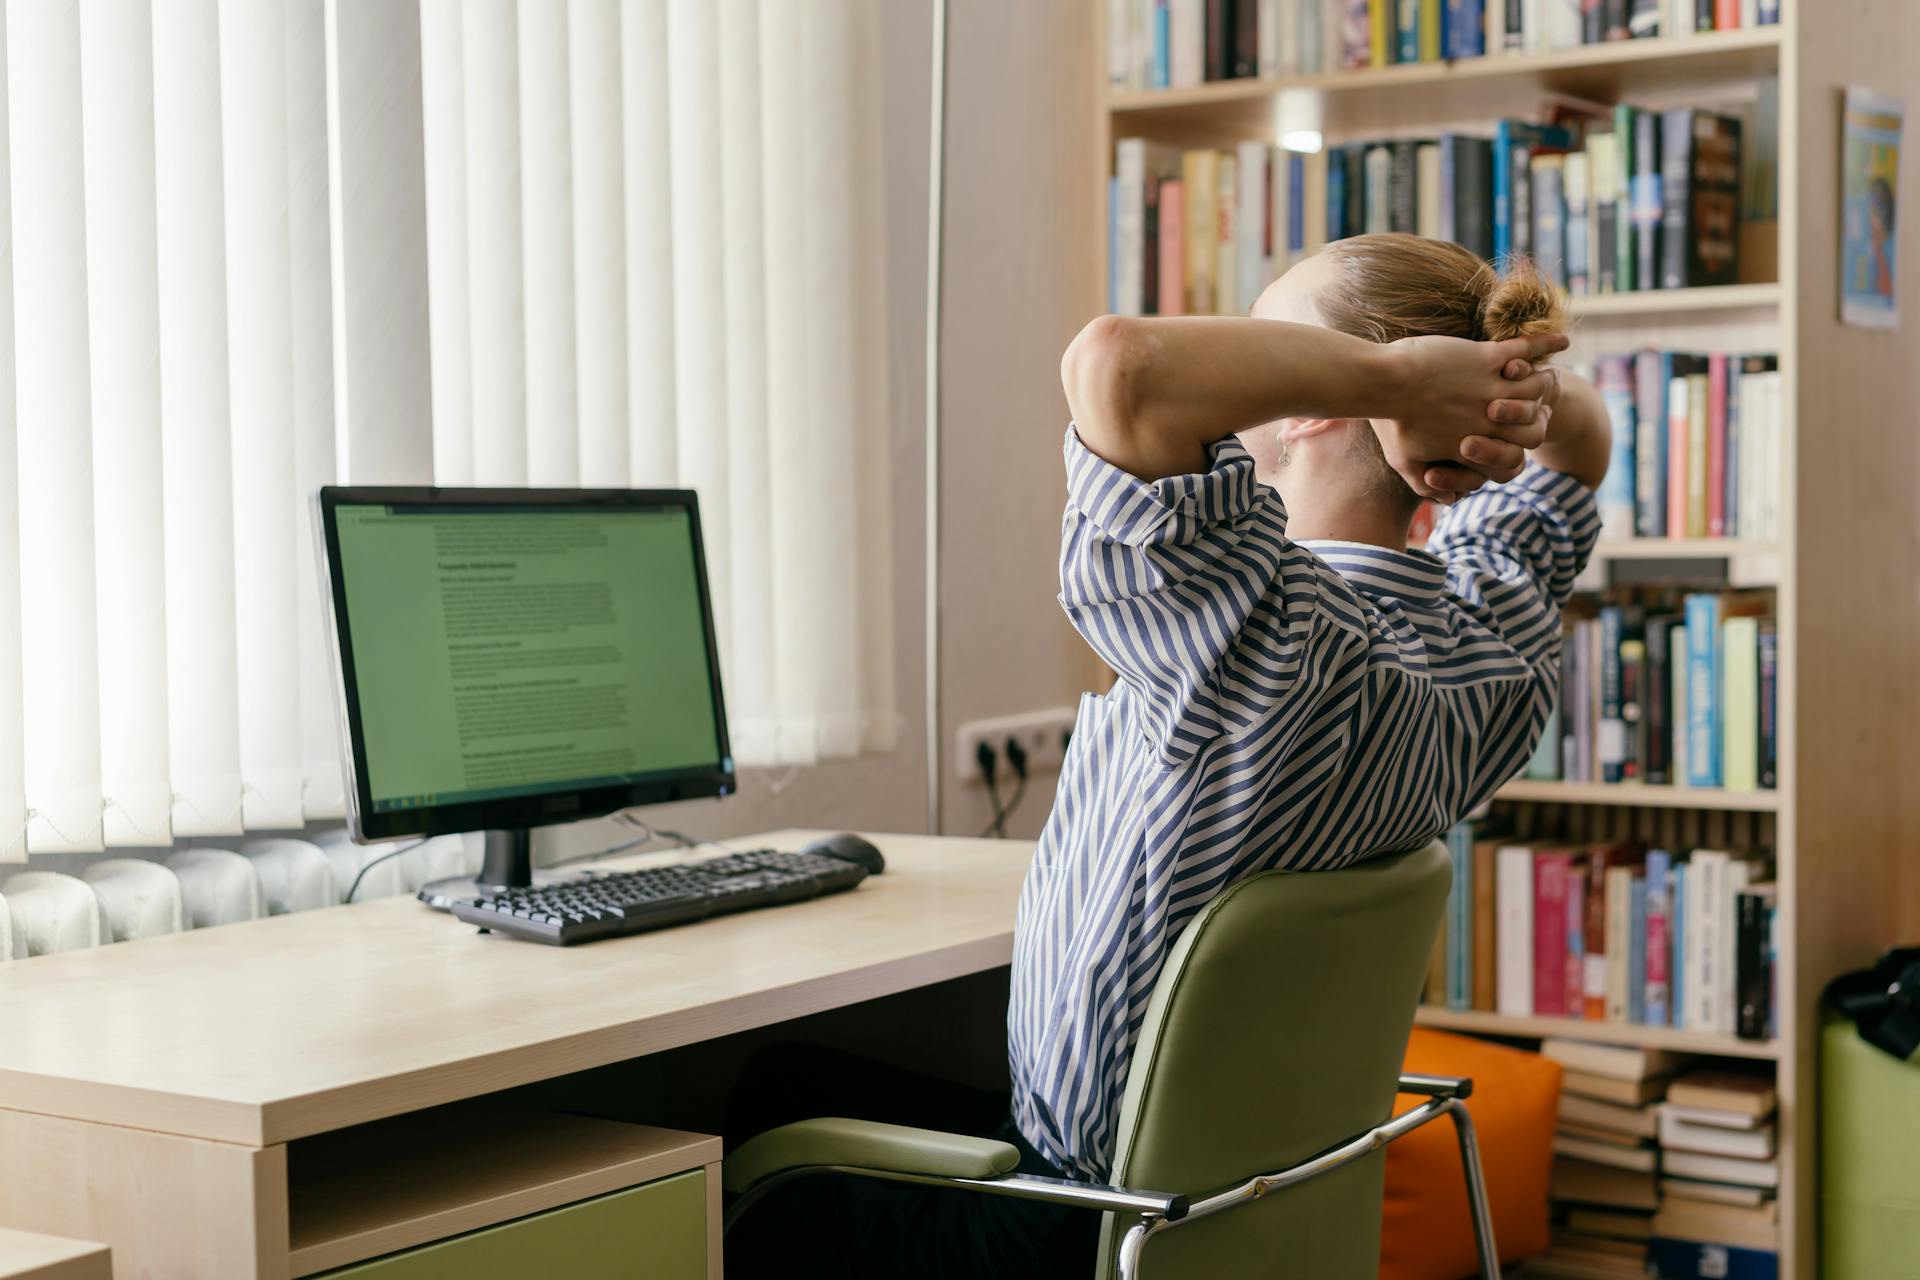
1579,433
1149,395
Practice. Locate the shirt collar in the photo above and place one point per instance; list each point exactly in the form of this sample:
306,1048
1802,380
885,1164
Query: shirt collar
1382,572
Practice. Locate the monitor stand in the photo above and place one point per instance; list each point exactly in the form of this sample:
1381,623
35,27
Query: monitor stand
506,864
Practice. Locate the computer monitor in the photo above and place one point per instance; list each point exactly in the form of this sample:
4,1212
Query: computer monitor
510,658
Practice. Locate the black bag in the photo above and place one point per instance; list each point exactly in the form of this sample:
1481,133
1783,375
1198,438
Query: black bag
1884,1001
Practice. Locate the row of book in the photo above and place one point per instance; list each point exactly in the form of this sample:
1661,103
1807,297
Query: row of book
1608,933
1668,691
1653,201
1176,44
1660,1164
1697,444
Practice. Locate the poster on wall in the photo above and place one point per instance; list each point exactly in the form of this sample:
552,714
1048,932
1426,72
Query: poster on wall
1869,209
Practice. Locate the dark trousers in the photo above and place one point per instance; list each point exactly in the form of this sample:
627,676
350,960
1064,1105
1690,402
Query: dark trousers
854,1228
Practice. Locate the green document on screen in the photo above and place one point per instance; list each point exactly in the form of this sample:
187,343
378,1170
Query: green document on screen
500,654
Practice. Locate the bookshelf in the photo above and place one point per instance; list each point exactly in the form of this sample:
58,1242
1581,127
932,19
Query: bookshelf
1844,823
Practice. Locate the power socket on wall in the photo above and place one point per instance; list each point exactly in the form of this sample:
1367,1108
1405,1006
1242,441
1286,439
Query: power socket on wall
1042,733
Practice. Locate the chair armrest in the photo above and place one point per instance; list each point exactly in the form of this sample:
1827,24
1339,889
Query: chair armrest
1437,1086
865,1144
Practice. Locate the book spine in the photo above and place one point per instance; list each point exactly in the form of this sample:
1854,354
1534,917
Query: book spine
1336,158
1768,13
1253,223
1703,684
1382,21
1574,186
1677,993
1173,248
1637,952
1611,741
1752,1000
1113,245
1716,446
1650,377
1655,707
1623,229
1659,937
1678,699
1378,214
1245,53
1678,420
1356,187
1676,208
1726,15
1484,920
1619,940
1430,30
1703,14
1403,187
1767,767
1473,198
1633,685
1296,207
1406,46
1226,251
1730,500
1200,180
1606,221
1703,886
1698,432
1614,379
1449,177
1502,171
1593,22
1520,186
1573,999
1427,193
1648,199
1219,39
1593,977
1544,764
1162,45
1275,34
1356,32
1150,250
1549,934
1739,703
1643,19
1727,909
1513,32
1617,19
1514,946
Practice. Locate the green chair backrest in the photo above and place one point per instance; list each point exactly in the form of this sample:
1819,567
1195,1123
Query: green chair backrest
1277,1029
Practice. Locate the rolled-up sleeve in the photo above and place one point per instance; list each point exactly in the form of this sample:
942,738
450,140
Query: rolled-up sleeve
1180,586
1513,551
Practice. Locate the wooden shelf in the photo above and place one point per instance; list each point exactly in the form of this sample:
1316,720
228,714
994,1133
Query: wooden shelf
1680,549
1592,69
1500,1024
362,1192
1638,795
1730,297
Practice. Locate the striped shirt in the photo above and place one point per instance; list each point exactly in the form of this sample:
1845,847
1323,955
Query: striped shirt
1279,704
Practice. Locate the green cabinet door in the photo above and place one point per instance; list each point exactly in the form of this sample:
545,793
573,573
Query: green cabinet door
654,1232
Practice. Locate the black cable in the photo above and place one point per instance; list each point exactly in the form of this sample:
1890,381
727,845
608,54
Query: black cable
1017,758
374,862
989,761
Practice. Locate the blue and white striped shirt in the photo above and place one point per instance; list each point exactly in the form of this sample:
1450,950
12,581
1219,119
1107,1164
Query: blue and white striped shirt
1279,704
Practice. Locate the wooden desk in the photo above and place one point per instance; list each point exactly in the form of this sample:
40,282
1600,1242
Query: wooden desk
171,1073
27,1256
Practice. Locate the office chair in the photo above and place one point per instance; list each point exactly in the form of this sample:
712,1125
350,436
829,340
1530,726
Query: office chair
1258,1100
51,912
140,899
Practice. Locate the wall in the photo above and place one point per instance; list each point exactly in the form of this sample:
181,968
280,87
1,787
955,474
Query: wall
1020,120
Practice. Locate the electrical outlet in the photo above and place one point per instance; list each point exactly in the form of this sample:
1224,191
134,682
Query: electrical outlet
1042,733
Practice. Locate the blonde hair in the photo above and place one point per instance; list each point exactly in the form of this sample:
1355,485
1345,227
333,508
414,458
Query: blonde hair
1397,286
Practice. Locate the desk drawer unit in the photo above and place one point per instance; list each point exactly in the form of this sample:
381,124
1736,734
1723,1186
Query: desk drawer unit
657,1232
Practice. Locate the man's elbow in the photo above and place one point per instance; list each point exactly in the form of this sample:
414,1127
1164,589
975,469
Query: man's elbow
1103,372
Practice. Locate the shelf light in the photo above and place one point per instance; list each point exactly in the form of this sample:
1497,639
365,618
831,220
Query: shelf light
1297,118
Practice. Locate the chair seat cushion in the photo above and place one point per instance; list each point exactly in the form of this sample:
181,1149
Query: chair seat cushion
1427,1233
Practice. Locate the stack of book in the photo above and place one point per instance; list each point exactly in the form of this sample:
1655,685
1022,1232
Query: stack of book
1608,933
1696,444
1605,1166
1668,691
1718,1215
1603,203
1176,44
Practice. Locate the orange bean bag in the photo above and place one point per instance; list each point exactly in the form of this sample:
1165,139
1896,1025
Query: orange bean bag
1428,1229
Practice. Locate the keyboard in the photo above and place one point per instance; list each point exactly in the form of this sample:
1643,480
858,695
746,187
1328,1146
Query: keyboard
613,904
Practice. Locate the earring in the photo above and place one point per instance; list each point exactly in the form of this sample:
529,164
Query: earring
1286,451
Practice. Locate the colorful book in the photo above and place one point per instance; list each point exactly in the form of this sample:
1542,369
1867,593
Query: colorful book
1604,189
1652,372
1740,703
1716,469
1406,45
1548,175
1485,920
1646,199
1514,143
1611,739
1170,298
1226,248
1698,442
1356,32
1703,686
1692,1260
1637,952
1659,940
1677,949
1700,179
1200,188
1767,649
1551,870
1578,223
1514,944
1380,33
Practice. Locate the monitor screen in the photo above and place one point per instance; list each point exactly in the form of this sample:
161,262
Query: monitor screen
510,659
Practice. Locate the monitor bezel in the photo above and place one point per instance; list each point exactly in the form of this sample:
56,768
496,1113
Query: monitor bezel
544,809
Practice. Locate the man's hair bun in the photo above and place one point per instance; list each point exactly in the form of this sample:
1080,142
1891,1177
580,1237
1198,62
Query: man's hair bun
1519,302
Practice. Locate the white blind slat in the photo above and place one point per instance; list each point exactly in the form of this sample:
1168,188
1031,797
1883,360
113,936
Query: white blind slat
495,281
546,195
13,781
123,315
600,266
443,107
203,721
311,291
59,656
653,452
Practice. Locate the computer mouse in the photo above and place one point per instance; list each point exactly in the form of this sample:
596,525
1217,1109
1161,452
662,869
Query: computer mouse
850,848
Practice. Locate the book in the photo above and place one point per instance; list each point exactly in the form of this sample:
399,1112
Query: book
1756,1227
1200,188
1607,1153
1244,53
1752,966
1551,871
1186,43
1643,19
1713,1192
1594,1133
1604,188
1715,1117
1612,1061
1253,221
1611,746
1739,703
1514,143
1677,952
1467,164
1619,925
1484,917
1691,1260
1767,730
1656,735
1629,1121
1626,1093
1380,33
1150,251
1609,1222
1356,186
1652,372
1677,1133
1745,1173
1577,209
1314,201
1700,185
1356,32
1377,166
1403,186
1677,699
1748,1093
1637,951
1457,991
1218,41
1226,249
1646,201
1716,468
1548,174
1426,186
1406,44
1584,1182
1170,297
1703,684
1466,34
1514,945
1659,940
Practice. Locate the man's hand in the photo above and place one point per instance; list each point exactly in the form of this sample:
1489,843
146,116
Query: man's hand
1463,413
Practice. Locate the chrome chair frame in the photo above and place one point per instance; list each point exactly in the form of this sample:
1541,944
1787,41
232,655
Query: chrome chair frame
1161,1211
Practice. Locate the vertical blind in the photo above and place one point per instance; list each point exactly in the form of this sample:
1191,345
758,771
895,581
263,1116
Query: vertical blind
654,238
